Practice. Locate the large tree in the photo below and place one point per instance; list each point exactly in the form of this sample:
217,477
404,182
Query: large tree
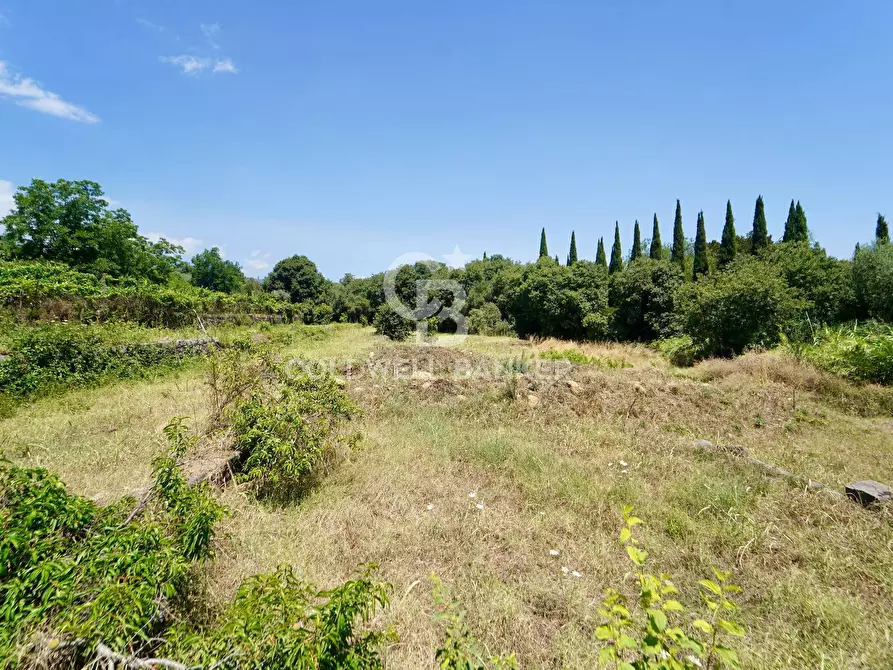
601,258
297,276
572,253
678,254
656,247
729,245
616,252
801,230
544,248
881,231
71,222
790,224
209,270
759,238
637,243
701,262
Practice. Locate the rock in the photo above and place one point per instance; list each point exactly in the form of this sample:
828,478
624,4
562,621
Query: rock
533,400
574,387
422,374
869,492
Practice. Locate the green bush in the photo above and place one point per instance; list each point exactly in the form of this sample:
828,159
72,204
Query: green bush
680,351
858,353
643,300
285,430
487,320
746,305
389,323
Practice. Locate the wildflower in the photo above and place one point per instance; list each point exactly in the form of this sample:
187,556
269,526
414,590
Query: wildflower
430,507
623,464
472,494
480,505
564,569
576,574
554,552
625,472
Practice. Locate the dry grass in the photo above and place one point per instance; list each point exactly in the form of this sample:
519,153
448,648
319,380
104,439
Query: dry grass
817,571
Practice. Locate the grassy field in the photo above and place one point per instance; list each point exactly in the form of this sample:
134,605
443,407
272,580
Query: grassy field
552,452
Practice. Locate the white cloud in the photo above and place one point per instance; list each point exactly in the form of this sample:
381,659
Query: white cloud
145,23
256,264
193,65
226,65
7,189
28,93
191,245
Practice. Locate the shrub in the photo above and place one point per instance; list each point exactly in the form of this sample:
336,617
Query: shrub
679,351
286,430
657,637
855,353
643,299
744,306
487,320
389,323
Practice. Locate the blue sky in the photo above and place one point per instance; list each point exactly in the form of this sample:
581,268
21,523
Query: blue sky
357,131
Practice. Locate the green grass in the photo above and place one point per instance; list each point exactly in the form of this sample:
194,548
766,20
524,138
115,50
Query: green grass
816,570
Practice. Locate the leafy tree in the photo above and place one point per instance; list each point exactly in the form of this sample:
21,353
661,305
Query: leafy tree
600,258
544,248
824,282
487,320
759,238
790,225
70,222
747,305
801,229
656,248
211,271
298,276
882,232
678,255
873,280
702,263
729,245
572,254
637,243
389,323
616,252
643,299
560,301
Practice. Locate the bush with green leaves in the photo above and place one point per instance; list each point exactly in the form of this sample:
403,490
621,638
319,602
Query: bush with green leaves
858,353
653,631
391,324
487,320
288,426
747,305
643,298
87,586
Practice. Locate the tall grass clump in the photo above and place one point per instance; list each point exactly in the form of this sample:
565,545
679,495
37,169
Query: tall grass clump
854,352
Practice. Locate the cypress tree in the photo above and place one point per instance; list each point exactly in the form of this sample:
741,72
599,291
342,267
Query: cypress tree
572,254
655,241
882,233
790,225
544,248
556,259
637,243
485,256
759,238
702,266
729,245
616,252
600,258
801,231
678,255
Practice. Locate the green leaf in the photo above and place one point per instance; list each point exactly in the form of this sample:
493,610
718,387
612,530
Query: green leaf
731,627
604,633
633,521
627,642
658,619
626,666
705,626
673,606
606,655
625,535
636,555
711,586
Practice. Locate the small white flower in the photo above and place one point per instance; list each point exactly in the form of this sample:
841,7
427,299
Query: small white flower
576,574
472,494
611,465
564,569
695,660
623,463
625,472
480,505
430,507
554,552
542,514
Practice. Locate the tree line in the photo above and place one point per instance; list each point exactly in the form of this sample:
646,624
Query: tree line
723,295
